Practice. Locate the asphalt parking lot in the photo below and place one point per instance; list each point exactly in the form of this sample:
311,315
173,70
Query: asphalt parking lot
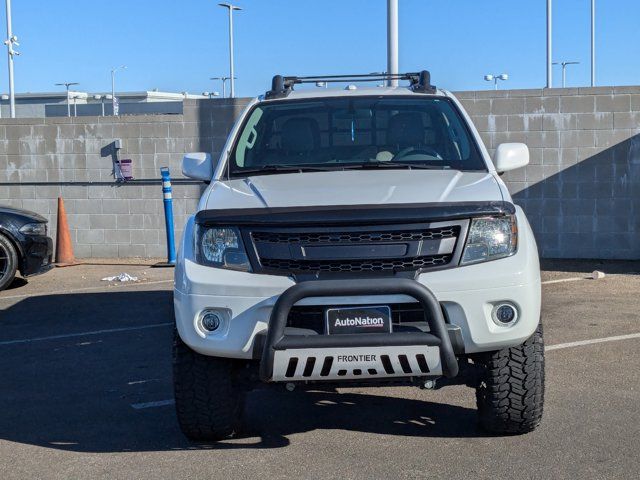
85,376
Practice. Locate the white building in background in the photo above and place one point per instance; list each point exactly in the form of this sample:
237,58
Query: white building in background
54,104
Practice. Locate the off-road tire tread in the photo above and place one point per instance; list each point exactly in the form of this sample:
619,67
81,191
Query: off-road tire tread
208,403
6,280
511,397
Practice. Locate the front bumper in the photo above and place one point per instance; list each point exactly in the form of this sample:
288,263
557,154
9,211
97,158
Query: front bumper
467,295
37,257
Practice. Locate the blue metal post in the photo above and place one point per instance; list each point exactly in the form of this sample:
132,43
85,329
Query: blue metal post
168,215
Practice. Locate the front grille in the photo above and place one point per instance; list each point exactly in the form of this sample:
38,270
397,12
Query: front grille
389,264
355,250
356,237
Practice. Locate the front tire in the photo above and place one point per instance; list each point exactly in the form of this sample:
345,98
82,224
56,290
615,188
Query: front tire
208,401
510,397
8,262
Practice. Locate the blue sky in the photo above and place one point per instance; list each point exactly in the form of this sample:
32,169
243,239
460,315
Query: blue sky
177,45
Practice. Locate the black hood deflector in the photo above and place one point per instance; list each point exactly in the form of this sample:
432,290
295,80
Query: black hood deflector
354,214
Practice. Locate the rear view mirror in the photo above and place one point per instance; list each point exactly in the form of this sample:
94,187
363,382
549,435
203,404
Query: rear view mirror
198,165
510,156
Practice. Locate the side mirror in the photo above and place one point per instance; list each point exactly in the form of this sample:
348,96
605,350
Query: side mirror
198,165
510,156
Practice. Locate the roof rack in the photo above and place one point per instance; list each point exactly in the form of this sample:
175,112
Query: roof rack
420,82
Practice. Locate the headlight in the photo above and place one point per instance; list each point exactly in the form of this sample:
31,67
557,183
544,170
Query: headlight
490,239
221,247
34,229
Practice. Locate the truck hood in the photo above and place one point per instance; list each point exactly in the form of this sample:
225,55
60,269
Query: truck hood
352,188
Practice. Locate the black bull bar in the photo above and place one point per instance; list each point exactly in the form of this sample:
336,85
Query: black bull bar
437,336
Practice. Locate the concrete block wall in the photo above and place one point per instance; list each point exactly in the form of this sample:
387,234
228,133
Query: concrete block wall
581,191
41,159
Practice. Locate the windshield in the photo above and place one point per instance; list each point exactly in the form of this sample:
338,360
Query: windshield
352,133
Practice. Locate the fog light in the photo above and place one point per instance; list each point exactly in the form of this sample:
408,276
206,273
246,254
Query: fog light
210,321
504,314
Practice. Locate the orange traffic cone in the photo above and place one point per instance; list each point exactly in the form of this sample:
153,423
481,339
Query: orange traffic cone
64,248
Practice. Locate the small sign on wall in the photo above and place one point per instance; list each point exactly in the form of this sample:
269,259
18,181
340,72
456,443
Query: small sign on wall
126,168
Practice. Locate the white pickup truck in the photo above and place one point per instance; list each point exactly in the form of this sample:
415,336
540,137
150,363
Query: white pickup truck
356,236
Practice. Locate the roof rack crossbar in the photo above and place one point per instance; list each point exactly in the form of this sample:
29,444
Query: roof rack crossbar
420,82
357,75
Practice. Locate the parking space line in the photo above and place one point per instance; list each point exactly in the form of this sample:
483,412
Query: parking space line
162,403
581,343
157,282
86,289
563,280
595,275
84,334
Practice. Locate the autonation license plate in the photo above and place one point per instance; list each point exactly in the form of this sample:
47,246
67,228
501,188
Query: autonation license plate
365,319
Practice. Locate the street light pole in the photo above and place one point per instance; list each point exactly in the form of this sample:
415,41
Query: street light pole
67,85
101,98
224,82
593,43
392,41
549,41
113,91
495,78
10,42
564,70
3,97
231,8
68,105
113,88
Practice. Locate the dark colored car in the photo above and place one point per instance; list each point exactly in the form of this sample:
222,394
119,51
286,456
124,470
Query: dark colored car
24,244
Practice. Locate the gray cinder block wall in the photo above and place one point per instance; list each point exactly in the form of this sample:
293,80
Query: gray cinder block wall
580,192
43,158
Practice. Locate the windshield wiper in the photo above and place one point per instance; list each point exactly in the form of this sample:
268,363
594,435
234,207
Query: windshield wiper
408,166
274,168
283,168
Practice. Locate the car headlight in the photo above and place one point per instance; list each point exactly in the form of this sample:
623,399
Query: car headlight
221,247
34,229
490,238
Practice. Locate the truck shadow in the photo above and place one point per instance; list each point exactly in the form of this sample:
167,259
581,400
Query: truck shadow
272,416
75,392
